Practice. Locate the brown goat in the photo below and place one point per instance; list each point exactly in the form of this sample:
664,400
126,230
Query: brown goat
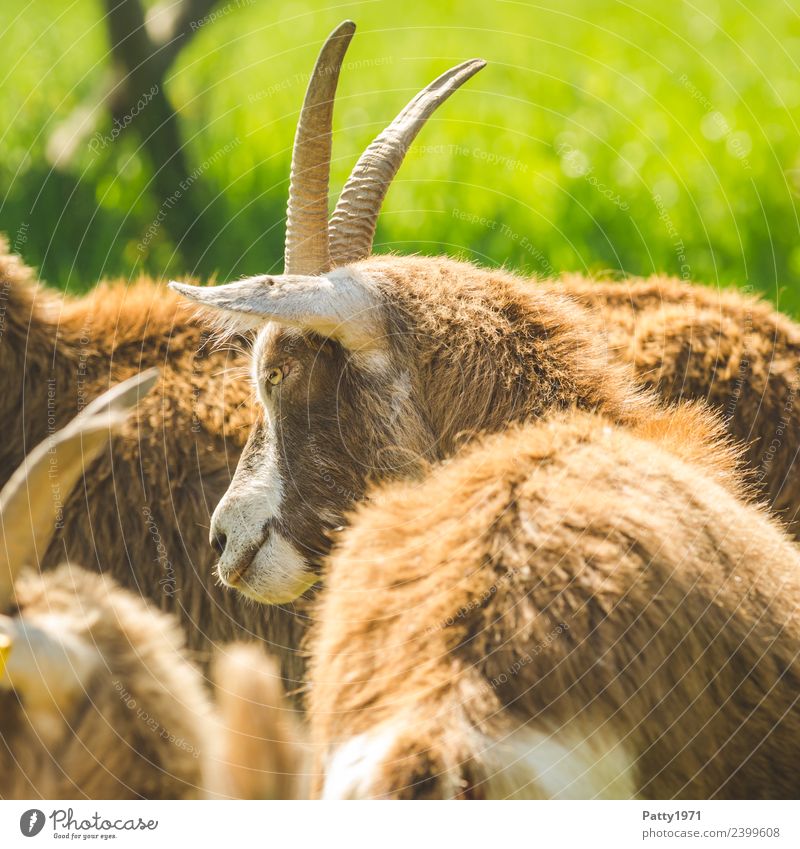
440,351
565,610
141,514
97,698
723,347
140,724
368,368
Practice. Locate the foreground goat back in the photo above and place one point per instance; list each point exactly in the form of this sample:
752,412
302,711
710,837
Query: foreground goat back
141,513
564,611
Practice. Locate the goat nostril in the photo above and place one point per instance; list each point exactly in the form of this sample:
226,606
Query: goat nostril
218,541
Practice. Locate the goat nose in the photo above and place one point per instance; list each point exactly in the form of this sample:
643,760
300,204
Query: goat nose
217,539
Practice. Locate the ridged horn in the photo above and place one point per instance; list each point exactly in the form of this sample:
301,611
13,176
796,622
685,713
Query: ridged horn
28,502
352,225
307,211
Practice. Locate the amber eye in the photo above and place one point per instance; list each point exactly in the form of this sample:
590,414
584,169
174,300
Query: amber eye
275,376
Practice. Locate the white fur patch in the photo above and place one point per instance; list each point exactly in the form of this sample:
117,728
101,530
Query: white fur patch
49,665
354,766
529,763
568,763
279,573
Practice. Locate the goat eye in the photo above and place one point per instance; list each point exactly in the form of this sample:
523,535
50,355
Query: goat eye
275,376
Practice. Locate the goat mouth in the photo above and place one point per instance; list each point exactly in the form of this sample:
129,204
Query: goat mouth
232,576
272,573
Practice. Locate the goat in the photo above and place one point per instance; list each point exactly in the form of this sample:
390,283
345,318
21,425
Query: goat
84,657
731,350
375,369
141,513
175,456
97,697
569,609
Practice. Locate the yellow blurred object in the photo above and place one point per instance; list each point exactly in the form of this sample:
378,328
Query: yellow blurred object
5,650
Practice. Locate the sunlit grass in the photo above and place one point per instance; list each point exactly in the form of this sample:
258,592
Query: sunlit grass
601,137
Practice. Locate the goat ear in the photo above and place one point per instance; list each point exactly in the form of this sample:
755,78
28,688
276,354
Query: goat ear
337,305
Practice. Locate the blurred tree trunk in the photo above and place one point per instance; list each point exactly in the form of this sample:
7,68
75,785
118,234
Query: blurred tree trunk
143,48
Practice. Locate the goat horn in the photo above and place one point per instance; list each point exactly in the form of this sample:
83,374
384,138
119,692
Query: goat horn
307,211
352,225
29,501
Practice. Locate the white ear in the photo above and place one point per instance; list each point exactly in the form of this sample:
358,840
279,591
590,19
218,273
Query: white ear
339,305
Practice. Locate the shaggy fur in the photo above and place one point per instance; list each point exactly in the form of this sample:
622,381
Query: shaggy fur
567,586
730,350
145,726
455,351
261,752
97,696
142,512
177,454
139,730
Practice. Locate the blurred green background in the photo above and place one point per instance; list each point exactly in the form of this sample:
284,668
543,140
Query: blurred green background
602,137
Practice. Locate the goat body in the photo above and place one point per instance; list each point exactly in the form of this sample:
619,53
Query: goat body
97,695
726,348
565,610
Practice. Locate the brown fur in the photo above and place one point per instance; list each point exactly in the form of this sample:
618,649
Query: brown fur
165,471
465,351
177,455
139,730
259,739
145,727
564,574
458,351
724,347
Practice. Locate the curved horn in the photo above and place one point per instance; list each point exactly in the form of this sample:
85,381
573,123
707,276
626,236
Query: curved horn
307,211
28,502
352,225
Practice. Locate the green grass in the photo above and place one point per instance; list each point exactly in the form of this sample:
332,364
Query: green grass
601,137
